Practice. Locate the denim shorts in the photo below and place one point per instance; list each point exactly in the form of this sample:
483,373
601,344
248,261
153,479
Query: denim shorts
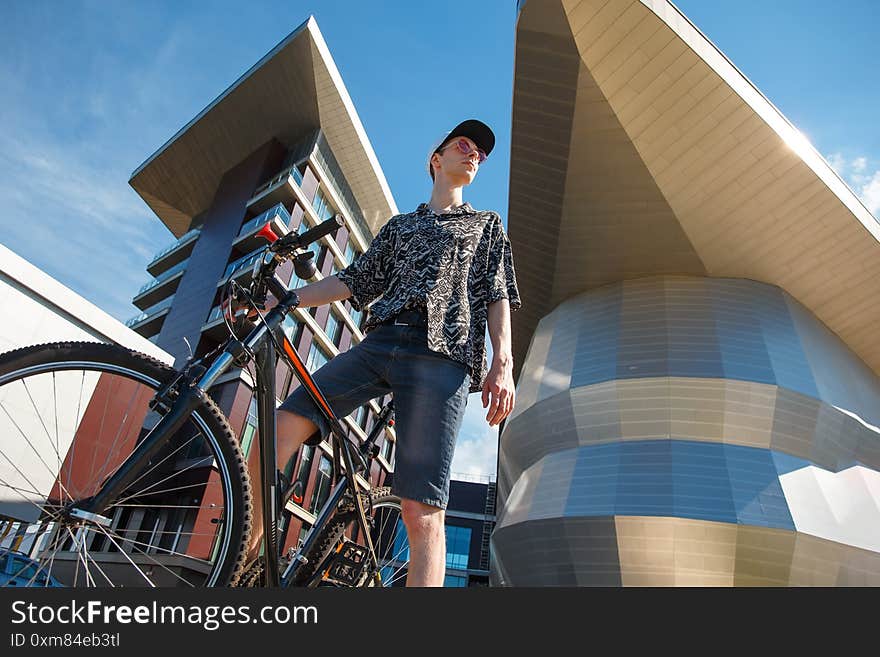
430,395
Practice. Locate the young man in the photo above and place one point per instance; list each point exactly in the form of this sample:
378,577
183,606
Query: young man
442,272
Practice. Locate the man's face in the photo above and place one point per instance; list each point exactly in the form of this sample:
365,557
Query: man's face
459,167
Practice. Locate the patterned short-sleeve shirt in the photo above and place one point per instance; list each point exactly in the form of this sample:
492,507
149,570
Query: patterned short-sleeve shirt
454,264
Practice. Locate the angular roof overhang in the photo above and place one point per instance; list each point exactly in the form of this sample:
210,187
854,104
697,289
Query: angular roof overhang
290,92
639,149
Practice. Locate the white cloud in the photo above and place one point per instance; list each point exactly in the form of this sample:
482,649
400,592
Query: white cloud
79,222
474,458
857,174
476,451
870,194
837,162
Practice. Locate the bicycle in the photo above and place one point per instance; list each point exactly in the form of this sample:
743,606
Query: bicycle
124,471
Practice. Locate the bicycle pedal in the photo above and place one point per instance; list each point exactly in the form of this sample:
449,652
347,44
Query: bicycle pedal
348,564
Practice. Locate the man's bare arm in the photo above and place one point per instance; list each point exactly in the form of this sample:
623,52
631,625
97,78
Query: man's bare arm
499,381
322,292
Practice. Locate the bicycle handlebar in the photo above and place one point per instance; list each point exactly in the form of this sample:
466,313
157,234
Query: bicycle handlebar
324,228
292,241
282,248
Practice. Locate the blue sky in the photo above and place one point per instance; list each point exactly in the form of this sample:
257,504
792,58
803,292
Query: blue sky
91,89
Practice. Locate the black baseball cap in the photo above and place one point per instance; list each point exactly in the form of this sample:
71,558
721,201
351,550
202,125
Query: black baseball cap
477,131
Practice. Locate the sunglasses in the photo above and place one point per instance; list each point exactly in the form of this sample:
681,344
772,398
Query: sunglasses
465,149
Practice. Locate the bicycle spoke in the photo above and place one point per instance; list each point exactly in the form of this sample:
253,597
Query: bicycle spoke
101,476
56,544
85,550
101,570
55,408
28,440
173,474
125,554
19,490
79,558
168,506
40,417
400,570
100,433
150,557
75,425
156,465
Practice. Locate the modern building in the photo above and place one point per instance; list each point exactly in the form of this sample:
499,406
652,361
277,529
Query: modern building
470,520
698,399
283,144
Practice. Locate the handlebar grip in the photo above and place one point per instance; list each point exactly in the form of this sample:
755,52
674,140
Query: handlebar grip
324,228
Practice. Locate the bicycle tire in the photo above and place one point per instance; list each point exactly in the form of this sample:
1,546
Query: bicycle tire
168,528
392,547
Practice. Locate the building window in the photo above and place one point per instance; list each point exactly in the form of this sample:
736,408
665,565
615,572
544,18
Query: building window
458,545
305,465
400,551
455,581
388,451
357,317
250,427
351,252
322,485
361,416
333,328
322,206
316,358
291,327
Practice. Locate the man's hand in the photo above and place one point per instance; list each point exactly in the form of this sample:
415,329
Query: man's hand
499,387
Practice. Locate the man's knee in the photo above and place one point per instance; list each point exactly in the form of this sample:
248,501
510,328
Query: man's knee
421,518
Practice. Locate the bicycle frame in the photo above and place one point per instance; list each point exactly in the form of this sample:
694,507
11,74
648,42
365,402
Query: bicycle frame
260,343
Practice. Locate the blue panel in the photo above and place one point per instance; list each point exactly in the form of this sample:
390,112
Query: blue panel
595,359
644,484
701,487
741,341
754,482
783,343
594,481
678,478
786,463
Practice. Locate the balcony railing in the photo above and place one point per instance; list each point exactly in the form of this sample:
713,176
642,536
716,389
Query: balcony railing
152,310
186,237
265,217
215,314
164,276
279,177
242,263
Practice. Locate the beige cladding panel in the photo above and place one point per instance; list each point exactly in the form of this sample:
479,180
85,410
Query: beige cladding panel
662,551
672,148
284,97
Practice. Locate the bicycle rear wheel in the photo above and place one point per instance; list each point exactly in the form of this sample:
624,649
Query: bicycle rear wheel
70,413
387,533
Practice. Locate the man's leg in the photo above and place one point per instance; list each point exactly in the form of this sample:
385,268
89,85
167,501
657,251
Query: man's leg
427,543
292,431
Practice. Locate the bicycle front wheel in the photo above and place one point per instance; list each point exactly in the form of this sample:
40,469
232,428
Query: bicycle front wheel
70,414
